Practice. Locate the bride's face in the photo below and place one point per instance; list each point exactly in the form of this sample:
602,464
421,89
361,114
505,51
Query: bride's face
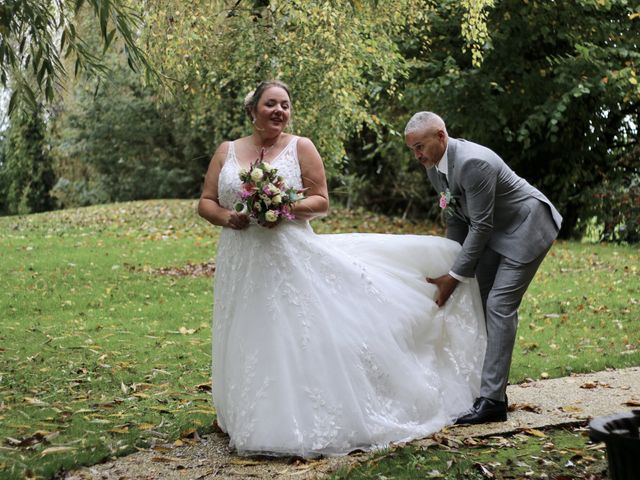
273,111
428,146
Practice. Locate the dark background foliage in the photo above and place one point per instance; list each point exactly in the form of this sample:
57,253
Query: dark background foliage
553,96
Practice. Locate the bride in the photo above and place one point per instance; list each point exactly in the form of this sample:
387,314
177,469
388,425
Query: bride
324,344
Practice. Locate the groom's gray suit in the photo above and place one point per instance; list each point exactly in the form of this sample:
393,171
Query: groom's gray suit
506,227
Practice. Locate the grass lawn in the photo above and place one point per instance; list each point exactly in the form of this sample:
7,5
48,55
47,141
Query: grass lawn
101,354
561,454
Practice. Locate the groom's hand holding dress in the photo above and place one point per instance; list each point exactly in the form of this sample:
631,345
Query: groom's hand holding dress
446,285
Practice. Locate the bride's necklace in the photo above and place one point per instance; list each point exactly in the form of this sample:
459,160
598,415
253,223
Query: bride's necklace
263,150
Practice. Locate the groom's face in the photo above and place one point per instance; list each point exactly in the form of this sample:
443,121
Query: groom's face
427,145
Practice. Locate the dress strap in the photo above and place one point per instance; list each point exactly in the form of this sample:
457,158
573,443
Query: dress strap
293,144
231,153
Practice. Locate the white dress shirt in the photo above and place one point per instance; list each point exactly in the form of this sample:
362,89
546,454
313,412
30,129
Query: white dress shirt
443,164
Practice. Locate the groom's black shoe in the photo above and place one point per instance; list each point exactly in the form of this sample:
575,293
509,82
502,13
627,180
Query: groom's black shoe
484,410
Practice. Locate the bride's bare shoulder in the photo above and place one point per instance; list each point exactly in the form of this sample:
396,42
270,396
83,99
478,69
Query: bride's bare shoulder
221,153
306,148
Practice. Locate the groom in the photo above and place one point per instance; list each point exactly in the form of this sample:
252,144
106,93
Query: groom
506,228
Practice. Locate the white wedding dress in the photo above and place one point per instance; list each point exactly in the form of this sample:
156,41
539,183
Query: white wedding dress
323,344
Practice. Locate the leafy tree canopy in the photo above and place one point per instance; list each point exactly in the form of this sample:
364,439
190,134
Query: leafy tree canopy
338,58
37,35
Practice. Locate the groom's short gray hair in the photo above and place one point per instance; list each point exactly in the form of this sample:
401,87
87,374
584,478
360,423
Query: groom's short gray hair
424,121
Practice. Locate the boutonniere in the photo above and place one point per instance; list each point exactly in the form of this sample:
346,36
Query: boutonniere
447,202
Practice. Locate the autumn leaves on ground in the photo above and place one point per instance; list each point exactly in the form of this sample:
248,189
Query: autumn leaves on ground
105,330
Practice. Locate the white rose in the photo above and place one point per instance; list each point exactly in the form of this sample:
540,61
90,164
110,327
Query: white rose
257,174
267,167
273,189
243,172
265,199
271,216
276,200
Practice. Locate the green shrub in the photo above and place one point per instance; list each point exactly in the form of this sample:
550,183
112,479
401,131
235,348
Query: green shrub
26,171
614,205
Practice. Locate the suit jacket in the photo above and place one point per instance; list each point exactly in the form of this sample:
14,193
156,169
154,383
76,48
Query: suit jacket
493,207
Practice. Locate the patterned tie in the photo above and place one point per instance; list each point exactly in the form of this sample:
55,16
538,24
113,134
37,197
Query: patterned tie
443,179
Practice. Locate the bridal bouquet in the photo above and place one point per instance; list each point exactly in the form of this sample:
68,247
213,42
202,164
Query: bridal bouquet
265,195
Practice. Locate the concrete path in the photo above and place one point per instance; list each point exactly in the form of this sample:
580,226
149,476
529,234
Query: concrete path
534,405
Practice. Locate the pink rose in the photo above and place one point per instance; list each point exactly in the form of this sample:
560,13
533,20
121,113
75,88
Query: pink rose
443,201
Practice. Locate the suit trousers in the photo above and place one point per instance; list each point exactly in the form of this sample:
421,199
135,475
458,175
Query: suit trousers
503,282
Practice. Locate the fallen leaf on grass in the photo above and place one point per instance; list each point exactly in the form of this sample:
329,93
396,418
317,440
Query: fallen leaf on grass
446,440
119,430
207,411
110,404
500,441
597,446
484,470
535,433
14,442
434,474
99,421
189,433
38,437
192,270
50,450
160,409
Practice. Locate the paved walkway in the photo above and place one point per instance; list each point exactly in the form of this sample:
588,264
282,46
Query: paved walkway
540,404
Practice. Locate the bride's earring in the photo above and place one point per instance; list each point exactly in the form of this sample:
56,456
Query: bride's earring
253,120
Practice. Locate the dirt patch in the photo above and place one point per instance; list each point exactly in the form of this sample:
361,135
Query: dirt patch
189,270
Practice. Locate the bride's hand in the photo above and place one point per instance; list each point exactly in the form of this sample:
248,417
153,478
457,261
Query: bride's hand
446,285
237,221
271,224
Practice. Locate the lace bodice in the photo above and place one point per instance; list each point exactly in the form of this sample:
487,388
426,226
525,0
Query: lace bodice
229,182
